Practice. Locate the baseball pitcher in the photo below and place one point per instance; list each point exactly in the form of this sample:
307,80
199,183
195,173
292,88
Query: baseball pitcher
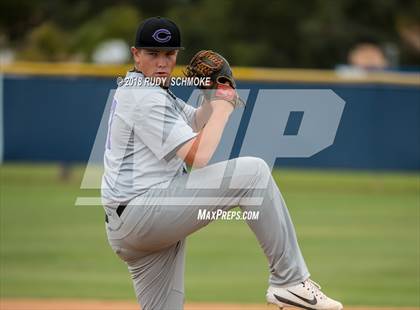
151,200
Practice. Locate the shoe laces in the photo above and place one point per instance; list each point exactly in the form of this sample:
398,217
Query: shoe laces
314,287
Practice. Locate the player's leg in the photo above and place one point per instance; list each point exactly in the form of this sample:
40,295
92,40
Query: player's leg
289,277
246,180
158,277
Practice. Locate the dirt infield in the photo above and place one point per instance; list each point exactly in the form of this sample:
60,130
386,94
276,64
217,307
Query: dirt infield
62,304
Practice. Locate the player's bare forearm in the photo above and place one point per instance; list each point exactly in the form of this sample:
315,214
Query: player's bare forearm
202,115
198,151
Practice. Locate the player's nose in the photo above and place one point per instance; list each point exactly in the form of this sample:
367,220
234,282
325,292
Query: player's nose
162,61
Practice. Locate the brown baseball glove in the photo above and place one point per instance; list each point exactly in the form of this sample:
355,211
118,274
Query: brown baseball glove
222,86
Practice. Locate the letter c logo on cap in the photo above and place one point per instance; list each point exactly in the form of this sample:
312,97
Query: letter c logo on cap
162,35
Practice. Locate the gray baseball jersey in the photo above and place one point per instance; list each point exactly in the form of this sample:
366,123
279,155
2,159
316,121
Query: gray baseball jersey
146,124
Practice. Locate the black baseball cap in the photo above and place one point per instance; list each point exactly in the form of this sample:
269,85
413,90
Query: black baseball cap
158,33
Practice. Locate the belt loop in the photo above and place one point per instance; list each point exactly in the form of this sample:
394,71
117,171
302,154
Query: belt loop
120,209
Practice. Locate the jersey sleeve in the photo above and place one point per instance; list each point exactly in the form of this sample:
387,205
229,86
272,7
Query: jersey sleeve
160,126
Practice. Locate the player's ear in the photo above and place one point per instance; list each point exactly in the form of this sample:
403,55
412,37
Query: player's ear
136,53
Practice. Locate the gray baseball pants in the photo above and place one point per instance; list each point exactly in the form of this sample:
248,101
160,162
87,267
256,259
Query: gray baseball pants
150,234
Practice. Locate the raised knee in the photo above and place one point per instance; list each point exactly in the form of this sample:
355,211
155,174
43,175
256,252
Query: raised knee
256,164
250,172
263,165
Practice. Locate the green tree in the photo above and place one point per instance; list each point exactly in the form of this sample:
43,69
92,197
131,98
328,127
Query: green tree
118,22
46,42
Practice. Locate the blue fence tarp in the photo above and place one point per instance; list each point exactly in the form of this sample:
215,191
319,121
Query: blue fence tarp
57,118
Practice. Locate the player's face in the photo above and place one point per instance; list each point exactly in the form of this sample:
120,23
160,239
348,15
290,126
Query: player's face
155,63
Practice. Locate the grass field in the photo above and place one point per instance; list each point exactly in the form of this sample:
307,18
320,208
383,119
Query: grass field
359,233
